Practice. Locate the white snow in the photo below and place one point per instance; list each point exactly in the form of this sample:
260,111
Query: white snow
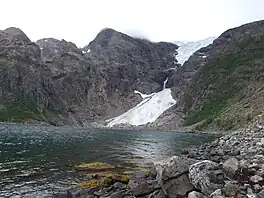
186,49
143,96
146,111
84,52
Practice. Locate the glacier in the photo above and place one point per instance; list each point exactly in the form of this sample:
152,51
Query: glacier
186,49
148,110
155,104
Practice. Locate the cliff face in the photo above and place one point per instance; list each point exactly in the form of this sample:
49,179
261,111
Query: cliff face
54,81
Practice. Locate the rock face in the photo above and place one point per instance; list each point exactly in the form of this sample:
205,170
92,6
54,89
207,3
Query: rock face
57,82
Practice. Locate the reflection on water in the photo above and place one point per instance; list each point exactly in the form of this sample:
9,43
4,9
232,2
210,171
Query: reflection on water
36,160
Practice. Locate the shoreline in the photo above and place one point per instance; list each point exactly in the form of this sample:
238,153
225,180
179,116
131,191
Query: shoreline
230,166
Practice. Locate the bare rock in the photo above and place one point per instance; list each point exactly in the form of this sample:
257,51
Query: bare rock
195,194
172,175
230,167
206,176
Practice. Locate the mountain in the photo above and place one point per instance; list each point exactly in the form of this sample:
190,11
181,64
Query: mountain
117,80
55,82
223,91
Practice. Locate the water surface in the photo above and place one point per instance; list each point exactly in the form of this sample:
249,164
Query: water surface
36,161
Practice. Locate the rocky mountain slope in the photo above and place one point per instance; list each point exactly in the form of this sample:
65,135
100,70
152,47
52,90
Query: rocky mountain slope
55,82
223,90
218,87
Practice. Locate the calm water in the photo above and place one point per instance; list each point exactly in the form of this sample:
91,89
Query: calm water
36,161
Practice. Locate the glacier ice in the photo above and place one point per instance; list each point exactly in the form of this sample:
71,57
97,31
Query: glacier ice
186,49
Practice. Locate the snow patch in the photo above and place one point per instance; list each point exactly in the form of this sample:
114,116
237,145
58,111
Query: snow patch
143,96
87,51
147,111
186,49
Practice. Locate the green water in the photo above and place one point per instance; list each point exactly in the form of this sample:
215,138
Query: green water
36,161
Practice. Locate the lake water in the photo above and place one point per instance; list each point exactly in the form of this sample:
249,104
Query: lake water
36,161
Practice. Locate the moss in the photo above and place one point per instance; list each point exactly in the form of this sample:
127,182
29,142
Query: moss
124,178
89,184
107,182
94,166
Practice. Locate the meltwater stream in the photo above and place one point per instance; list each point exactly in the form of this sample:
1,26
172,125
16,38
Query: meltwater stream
36,161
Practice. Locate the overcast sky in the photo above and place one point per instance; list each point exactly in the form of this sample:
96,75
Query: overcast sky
158,20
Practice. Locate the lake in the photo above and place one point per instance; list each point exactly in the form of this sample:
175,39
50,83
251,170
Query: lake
36,161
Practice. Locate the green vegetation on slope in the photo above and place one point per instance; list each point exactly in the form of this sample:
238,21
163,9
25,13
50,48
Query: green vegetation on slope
219,85
19,110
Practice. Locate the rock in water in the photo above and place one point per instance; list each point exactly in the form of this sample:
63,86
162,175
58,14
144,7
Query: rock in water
206,176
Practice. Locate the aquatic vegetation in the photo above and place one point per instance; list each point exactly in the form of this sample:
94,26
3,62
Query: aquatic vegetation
94,166
124,178
89,184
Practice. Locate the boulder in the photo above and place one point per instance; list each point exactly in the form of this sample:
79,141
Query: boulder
142,188
206,176
195,194
261,194
116,195
256,179
217,192
157,194
230,189
172,175
230,167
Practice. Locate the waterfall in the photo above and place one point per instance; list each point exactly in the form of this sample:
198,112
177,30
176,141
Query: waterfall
164,83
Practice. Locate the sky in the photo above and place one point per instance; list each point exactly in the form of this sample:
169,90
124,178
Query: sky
79,21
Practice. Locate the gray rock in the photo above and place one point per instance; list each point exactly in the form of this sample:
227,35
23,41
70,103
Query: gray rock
217,192
157,194
141,188
230,167
119,185
177,187
261,194
116,195
230,189
195,194
257,188
256,179
172,175
172,167
206,176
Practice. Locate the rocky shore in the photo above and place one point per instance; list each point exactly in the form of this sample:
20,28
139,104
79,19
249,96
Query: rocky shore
231,166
